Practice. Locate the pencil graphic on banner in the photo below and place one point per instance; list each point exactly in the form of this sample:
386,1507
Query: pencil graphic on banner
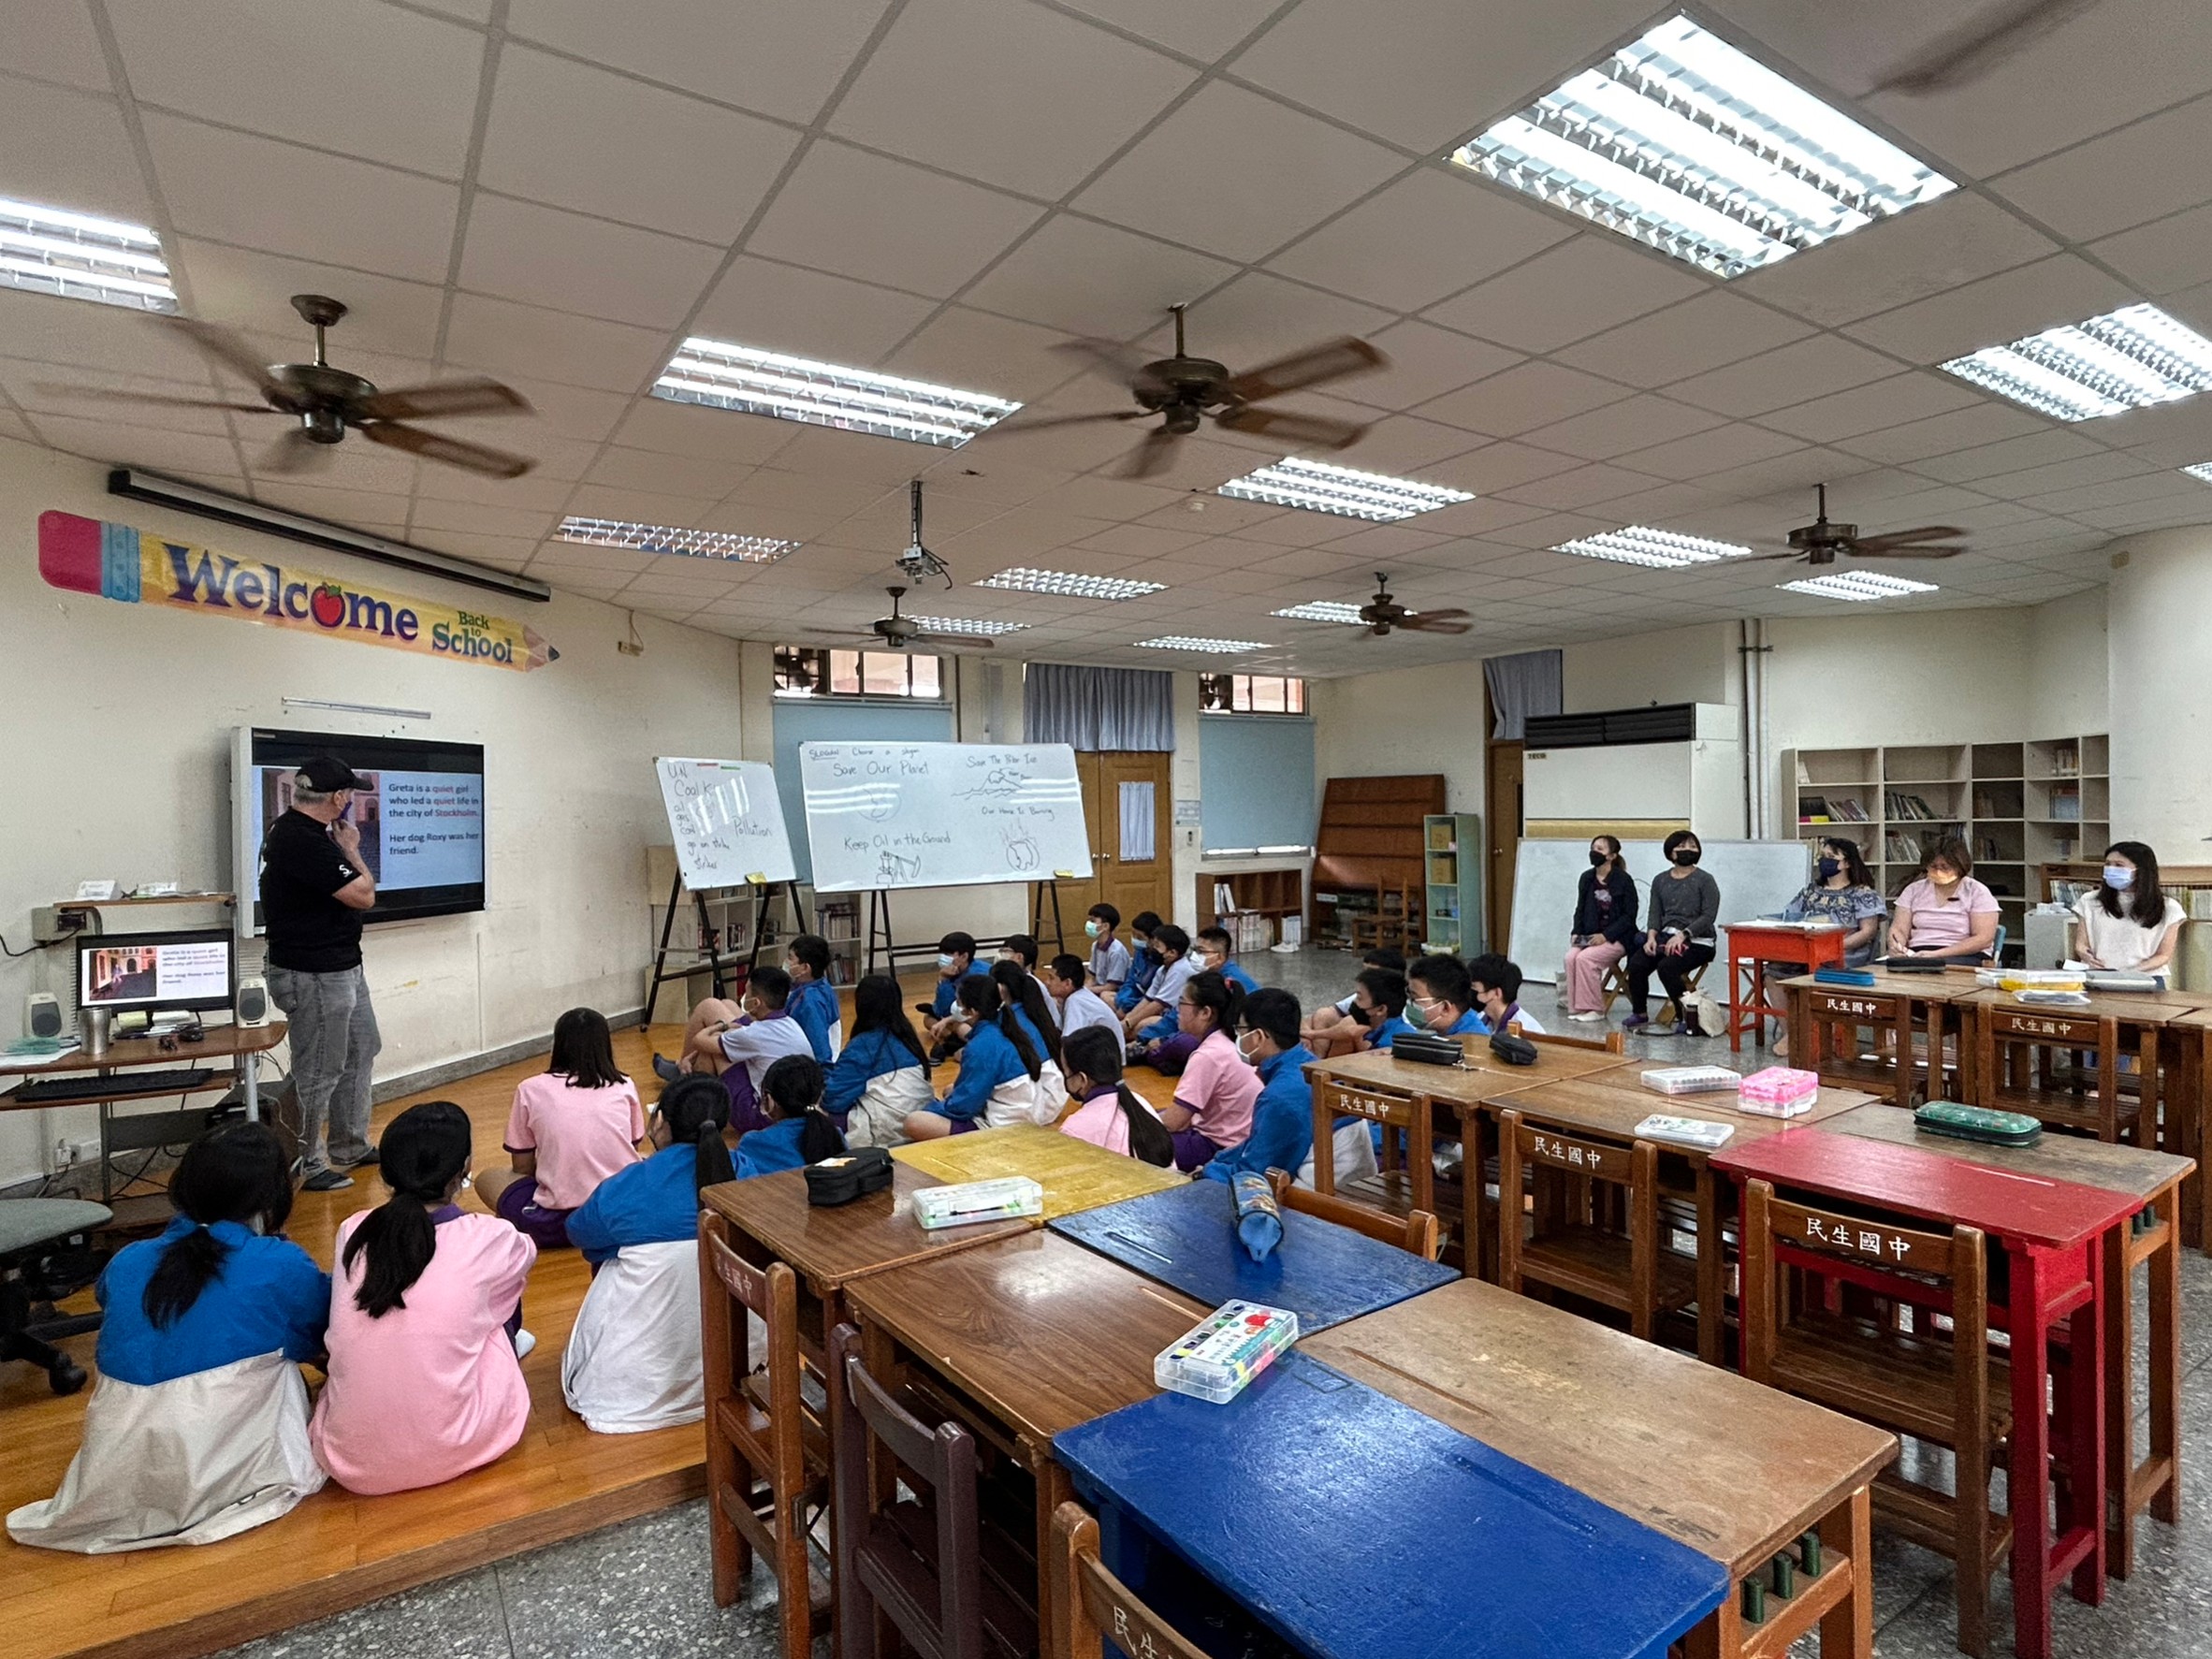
120,562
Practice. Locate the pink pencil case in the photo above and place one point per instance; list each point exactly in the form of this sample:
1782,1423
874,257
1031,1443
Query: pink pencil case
1778,1092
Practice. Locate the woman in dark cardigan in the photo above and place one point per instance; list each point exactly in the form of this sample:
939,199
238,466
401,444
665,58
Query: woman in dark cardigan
1604,927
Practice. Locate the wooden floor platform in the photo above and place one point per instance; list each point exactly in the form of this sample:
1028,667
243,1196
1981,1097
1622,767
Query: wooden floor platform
338,1550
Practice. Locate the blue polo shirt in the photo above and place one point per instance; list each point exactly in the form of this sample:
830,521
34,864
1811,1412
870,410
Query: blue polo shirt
814,1005
988,1060
948,992
764,1152
1282,1122
867,1056
1237,975
267,1297
653,1203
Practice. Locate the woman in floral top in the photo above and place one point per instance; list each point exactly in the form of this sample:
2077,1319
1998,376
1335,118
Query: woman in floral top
1843,892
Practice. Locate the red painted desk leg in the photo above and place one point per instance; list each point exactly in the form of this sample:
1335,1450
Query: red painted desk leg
2028,1479
2084,1509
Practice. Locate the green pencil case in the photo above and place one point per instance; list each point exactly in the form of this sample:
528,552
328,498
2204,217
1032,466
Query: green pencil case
1978,1123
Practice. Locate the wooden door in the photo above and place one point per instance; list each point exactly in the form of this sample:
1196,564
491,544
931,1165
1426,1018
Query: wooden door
1502,779
1132,873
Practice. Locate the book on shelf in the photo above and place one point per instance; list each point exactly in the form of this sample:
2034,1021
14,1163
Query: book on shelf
1848,810
1813,808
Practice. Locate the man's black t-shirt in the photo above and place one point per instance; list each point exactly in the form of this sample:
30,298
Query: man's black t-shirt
302,867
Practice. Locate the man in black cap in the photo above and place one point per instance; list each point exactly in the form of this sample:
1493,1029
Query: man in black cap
315,886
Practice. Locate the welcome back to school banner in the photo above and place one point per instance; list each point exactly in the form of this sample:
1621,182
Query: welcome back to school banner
120,562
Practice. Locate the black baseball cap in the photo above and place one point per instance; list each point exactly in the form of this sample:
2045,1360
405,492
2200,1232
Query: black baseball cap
328,773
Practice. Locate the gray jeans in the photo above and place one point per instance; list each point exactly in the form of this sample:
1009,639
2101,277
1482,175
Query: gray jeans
334,1044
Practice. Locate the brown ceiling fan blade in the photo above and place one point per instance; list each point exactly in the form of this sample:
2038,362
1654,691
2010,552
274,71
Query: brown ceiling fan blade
1291,428
959,641
228,349
453,396
103,395
1150,456
1317,364
1436,622
1125,364
1966,55
1865,552
295,452
1767,558
436,447
1905,538
1043,421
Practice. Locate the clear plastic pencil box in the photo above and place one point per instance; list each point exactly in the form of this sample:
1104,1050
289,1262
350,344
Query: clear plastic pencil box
968,1201
1217,1358
1691,1080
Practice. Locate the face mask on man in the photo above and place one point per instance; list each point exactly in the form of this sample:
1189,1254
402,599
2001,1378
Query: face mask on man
1091,930
1830,868
1416,1015
1248,1047
2118,877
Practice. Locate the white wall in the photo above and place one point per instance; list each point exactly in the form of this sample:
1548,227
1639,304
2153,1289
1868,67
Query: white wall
1401,722
2068,681
1911,676
1694,664
119,720
2161,730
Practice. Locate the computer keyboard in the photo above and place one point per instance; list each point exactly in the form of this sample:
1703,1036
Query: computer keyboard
113,1085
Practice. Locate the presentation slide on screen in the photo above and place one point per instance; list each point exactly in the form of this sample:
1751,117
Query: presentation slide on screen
419,829
140,973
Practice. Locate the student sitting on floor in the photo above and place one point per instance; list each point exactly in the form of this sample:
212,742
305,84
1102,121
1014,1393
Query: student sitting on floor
739,1049
1021,990
1080,1007
1496,985
1281,1131
1213,1105
1378,1007
801,1133
1332,1028
1153,1019
1212,948
1143,961
1021,949
1440,997
1111,1114
882,1071
1946,914
813,1001
632,1362
942,1025
1110,957
196,1429
426,1322
1000,1068
574,1125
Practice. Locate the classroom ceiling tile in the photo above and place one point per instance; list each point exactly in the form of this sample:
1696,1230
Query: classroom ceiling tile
1491,468
1983,422
2162,257
1926,249
1900,398
504,337
1582,488
96,171
1095,280
1269,172
74,392
535,490
809,313
675,475
55,40
1698,334
562,412
1733,445
364,80
1988,460
1632,423
1567,293
475,518
111,440
2009,306
1202,32
1062,95
518,250
957,344
246,289
1397,444
2124,177
1791,374
1521,399
1425,362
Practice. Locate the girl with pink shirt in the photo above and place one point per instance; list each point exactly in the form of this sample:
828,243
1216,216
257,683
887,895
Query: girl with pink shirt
1111,1114
1213,1099
425,1311
573,1125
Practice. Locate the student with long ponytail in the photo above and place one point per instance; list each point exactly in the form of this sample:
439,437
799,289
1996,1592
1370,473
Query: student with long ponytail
1213,1101
882,1071
633,1360
800,1131
1000,1068
426,1382
198,1428
1023,992
1110,1114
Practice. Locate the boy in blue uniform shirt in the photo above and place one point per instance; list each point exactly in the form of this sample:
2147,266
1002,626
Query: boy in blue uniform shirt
1496,985
1283,1117
1440,997
813,1001
1379,1007
1143,961
942,1025
1213,953
1153,1020
1110,958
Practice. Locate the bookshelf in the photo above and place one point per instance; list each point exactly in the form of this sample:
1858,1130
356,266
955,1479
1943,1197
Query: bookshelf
1252,904
1451,869
2017,806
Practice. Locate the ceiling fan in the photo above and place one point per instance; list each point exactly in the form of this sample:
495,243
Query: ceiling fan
1964,55
899,632
918,563
1382,614
1184,390
1821,540
327,403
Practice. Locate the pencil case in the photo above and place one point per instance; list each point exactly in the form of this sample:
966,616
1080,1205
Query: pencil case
1225,1351
1691,1080
2099,980
2040,996
1845,976
1259,1218
1778,1092
1978,1123
841,1179
968,1201
1684,1131
1427,1049
1512,1049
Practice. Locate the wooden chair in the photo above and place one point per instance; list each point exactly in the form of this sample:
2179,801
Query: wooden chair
2062,1067
1415,1232
1096,1607
1372,930
1842,1311
1597,1224
911,1565
767,1457
1615,984
1407,1181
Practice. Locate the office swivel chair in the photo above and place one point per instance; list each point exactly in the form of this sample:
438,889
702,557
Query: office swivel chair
46,1254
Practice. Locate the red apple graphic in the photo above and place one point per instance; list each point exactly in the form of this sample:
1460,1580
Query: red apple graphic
328,604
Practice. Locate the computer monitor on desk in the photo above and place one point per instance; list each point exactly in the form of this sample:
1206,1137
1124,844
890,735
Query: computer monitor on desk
187,972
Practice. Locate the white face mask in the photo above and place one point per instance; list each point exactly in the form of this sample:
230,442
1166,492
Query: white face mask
2118,877
1250,1055
944,963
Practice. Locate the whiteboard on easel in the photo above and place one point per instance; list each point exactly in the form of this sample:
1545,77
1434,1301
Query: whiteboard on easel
727,822
892,815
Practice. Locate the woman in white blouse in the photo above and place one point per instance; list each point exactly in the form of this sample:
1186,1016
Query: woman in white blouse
2127,924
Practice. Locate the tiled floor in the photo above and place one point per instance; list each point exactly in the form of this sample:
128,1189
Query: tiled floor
641,1590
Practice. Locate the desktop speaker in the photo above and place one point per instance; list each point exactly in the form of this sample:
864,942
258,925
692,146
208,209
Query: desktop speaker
253,1002
42,1015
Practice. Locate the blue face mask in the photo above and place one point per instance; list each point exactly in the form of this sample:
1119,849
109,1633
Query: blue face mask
944,963
2118,877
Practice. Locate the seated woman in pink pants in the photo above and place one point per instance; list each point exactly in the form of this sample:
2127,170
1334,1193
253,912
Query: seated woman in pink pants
1605,926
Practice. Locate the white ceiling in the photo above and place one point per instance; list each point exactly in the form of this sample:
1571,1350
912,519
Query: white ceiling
556,191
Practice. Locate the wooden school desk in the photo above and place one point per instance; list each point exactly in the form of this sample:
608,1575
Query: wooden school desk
1754,944
1730,1469
2189,1116
2112,1025
1075,1174
2052,1233
1354,1527
2153,1180
1609,1105
1899,1004
1186,1238
1021,1338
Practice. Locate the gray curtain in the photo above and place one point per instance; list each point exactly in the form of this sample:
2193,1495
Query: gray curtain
1521,686
1098,709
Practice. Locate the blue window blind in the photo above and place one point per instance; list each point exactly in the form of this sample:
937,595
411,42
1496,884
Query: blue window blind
1256,779
801,720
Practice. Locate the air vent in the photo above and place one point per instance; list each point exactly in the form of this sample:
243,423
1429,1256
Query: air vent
1667,723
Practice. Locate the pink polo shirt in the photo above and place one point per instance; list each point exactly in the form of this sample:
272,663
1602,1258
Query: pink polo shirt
1217,1090
432,1389
1100,1121
581,1136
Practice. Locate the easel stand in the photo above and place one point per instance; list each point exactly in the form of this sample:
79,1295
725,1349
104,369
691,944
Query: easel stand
708,953
882,944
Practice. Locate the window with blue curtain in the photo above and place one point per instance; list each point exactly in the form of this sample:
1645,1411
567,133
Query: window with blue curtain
1256,782
802,721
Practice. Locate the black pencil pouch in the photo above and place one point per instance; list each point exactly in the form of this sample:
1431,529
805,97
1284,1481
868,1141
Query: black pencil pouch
841,1179
1514,1051
1427,1049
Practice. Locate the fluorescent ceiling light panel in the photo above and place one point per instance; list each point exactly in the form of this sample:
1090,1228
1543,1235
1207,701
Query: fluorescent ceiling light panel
726,377
1189,641
1318,488
2201,472
1657,549
1856,584
76,257
965,625
1687,144
2125,359
1322,610
669,538
1071,583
